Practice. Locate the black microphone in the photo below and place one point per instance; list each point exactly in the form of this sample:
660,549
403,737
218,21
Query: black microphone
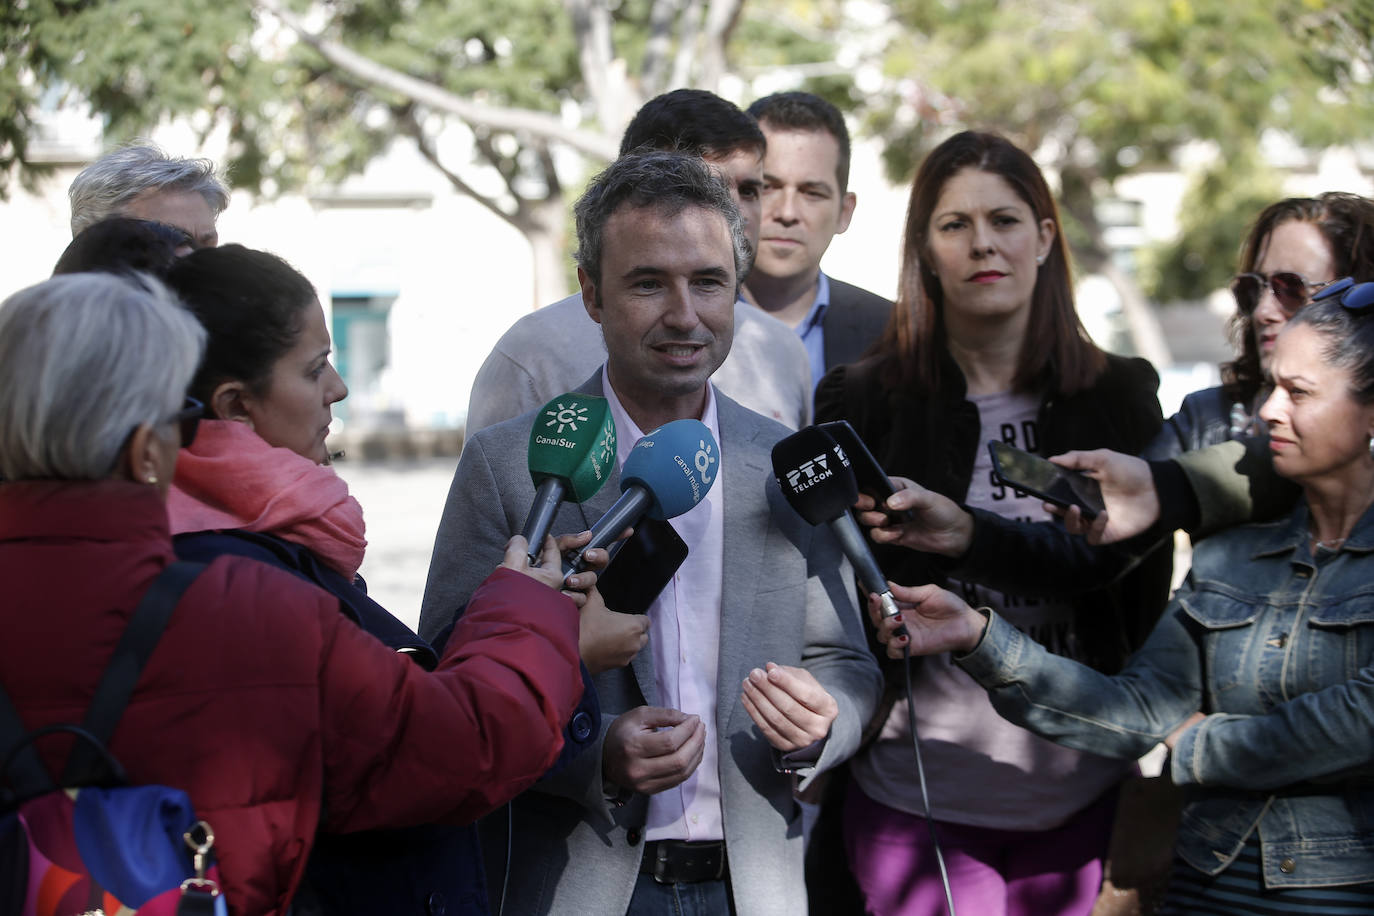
817,481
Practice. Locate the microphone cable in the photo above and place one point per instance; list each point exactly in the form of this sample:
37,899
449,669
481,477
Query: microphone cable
505,878
921,775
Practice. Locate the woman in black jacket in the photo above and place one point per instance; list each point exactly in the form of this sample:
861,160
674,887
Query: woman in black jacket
985,344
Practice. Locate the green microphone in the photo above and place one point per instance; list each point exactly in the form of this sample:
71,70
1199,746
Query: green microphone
572,453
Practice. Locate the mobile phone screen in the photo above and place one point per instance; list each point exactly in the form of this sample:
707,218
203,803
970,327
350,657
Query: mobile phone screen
1061,486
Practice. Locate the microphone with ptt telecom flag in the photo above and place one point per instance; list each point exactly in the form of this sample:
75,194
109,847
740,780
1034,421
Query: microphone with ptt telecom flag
571,454
666,473
817,481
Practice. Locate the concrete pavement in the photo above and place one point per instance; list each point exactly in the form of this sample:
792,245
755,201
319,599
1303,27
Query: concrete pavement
402,502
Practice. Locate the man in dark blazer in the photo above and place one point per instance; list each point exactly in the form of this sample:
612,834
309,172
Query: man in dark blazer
756,673
806,203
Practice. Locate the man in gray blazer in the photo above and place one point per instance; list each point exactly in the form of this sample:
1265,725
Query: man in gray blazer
806,203
756,673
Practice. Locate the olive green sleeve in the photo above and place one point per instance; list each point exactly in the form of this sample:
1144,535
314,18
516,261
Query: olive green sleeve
1235,483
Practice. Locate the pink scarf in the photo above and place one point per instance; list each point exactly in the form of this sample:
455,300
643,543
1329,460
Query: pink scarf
230,478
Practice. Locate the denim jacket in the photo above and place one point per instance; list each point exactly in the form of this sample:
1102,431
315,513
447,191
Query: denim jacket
1278,649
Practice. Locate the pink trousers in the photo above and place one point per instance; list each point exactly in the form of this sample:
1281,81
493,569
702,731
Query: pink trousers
1055,872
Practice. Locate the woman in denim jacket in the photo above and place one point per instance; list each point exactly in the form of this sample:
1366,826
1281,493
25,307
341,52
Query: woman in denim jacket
1260,675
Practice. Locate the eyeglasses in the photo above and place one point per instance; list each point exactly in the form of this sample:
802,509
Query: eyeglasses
1290,289
1353,297
187,420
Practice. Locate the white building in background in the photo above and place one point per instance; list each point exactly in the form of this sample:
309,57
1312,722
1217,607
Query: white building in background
418,281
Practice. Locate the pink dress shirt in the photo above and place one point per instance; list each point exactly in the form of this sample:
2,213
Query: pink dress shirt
684,636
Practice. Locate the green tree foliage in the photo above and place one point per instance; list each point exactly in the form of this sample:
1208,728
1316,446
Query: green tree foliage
1220,204
311,92
132,61
1100,88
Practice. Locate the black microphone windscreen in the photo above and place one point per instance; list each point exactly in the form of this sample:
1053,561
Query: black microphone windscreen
814,475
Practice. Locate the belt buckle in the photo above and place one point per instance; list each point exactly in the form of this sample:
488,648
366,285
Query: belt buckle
660,872
678,862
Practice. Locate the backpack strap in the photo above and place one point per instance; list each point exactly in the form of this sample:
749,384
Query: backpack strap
141,636
22,774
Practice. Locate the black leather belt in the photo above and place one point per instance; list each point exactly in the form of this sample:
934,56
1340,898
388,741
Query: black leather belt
680,862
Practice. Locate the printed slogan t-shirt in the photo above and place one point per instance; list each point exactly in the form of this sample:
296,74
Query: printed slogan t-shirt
980,769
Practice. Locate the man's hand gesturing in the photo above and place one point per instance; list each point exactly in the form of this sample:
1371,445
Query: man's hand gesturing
649,749
789,706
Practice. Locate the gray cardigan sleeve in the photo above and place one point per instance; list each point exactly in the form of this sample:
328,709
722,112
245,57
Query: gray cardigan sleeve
836,652
470,542
503,388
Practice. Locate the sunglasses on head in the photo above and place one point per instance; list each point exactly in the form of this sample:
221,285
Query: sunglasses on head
187,420
1290,290
1353,297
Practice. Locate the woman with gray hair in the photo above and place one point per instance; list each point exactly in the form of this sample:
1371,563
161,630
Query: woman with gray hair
275,714
53,337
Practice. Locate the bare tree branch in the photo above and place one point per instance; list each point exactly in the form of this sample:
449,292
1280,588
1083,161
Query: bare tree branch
411,125
656,48
369,72
550,172
508,170
591,23
721,17
602,69
689,24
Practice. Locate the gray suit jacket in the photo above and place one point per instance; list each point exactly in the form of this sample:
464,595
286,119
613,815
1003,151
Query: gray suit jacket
787,598
853,321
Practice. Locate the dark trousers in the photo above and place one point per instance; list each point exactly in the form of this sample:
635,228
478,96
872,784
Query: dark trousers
830,886
692,898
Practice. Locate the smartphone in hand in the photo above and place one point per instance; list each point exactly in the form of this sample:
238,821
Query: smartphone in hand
1033,474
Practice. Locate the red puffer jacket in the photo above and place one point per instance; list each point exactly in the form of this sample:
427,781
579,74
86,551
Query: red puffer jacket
262,701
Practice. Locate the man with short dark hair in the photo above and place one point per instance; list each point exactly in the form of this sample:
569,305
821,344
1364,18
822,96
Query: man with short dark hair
685,802
143,182
806,203
549,351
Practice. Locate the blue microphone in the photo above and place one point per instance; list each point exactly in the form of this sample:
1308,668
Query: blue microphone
666,473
